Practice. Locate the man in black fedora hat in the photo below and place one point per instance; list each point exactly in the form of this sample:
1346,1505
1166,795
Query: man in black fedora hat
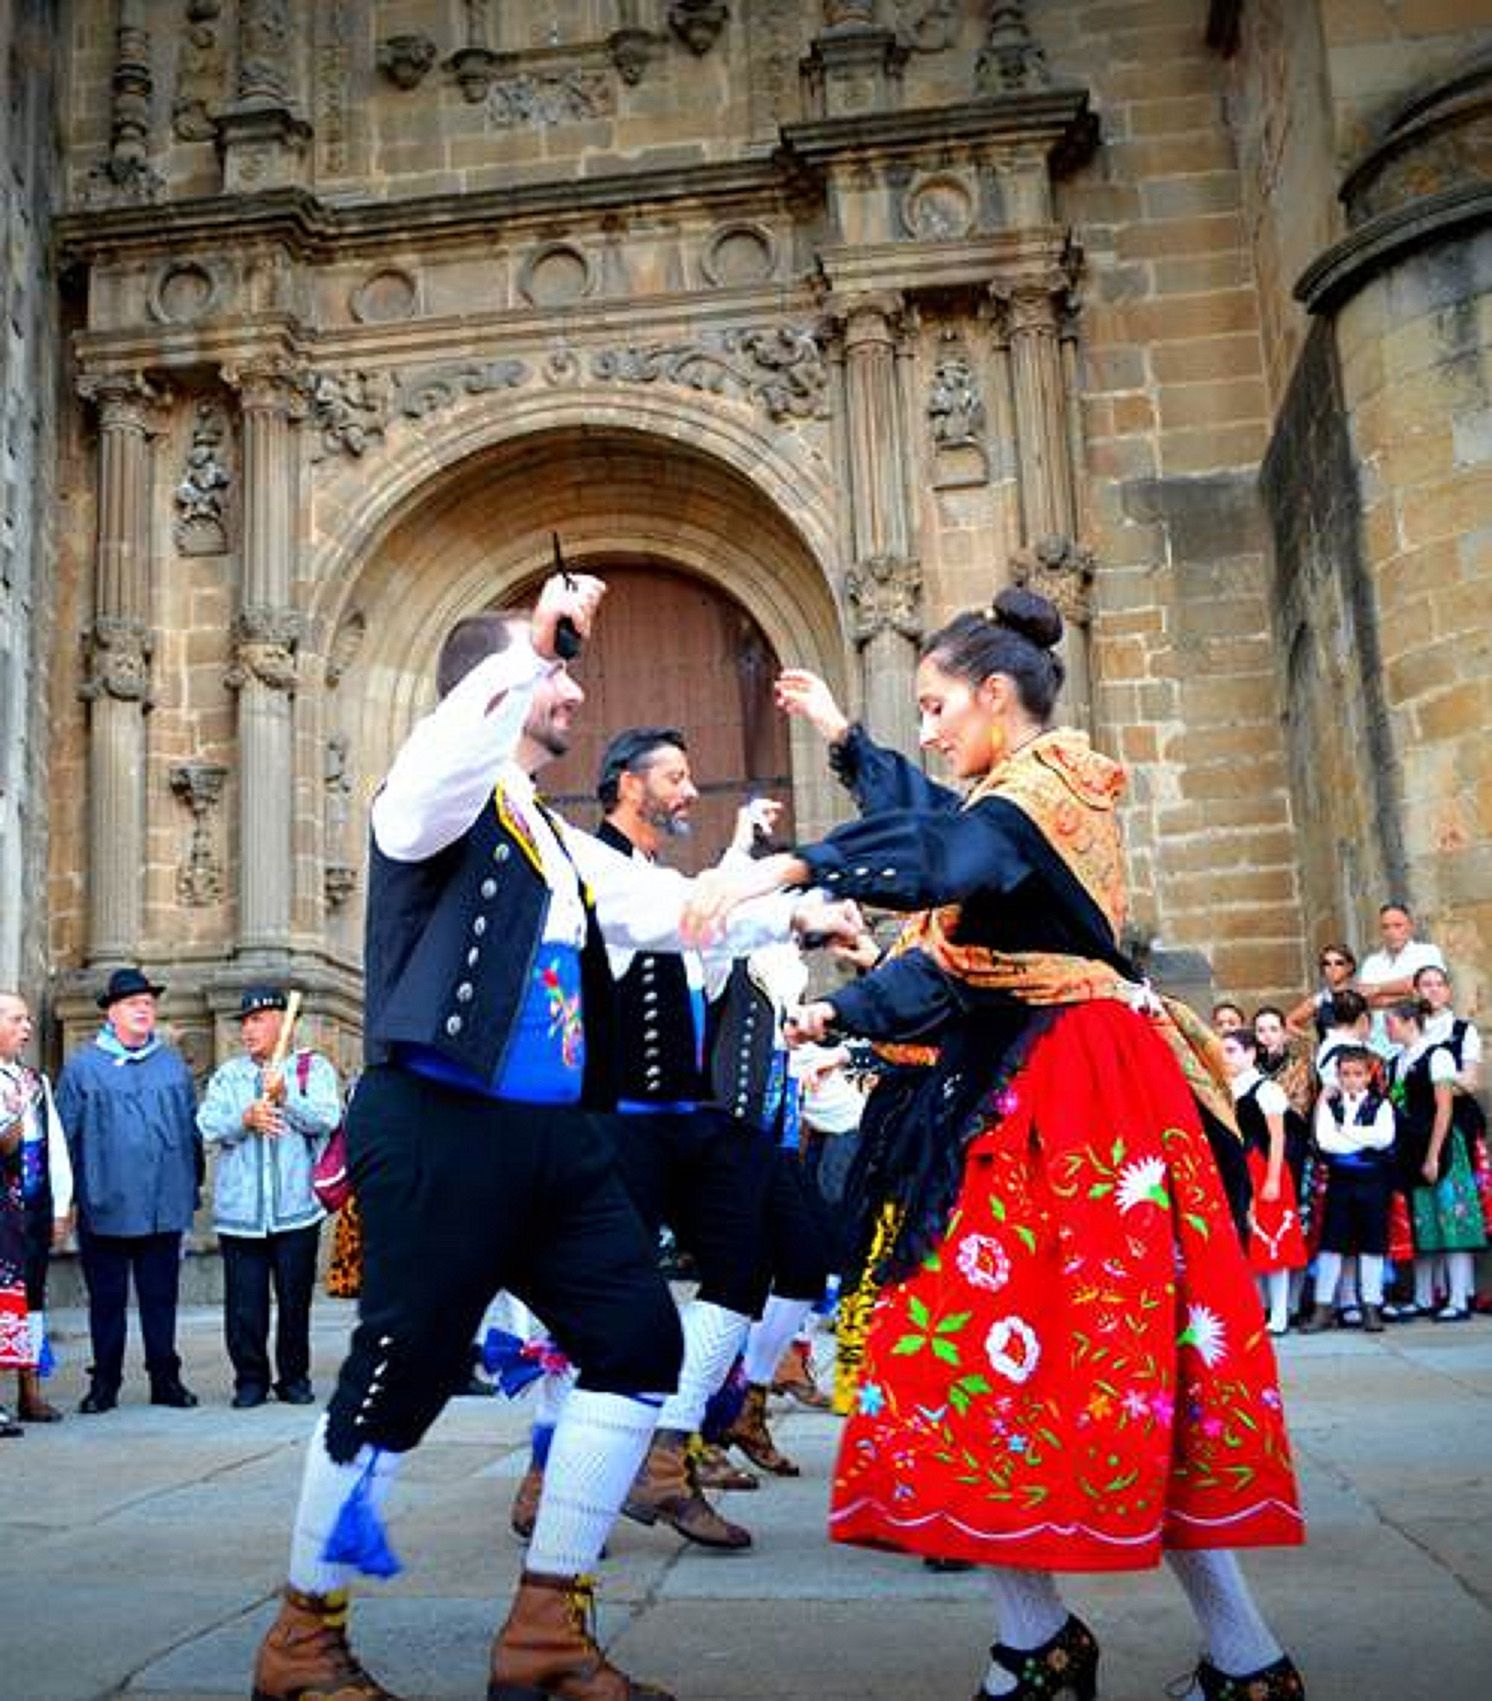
127,1105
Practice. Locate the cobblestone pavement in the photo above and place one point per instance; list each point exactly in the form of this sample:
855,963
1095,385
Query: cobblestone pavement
140,1551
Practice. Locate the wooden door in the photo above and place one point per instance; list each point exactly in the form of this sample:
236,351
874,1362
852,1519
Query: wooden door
670,650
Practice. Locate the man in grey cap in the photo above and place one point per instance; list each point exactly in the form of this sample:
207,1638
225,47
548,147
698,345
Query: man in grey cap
268,1125
127,1105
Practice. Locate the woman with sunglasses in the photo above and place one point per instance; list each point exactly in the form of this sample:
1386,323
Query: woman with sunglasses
1313,1014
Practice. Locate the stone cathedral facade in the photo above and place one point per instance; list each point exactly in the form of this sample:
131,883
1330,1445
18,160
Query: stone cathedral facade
805,322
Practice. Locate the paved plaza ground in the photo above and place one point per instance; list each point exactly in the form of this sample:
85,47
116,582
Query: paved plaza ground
140,1551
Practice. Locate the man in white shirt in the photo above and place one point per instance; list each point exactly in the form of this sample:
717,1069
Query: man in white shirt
1387,975
482,1157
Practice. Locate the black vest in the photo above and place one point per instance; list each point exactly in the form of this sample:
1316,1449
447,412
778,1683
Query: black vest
655,1018
742,1037
449,946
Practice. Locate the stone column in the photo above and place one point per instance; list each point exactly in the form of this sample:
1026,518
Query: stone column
118,646
1050,558
884,585
266,641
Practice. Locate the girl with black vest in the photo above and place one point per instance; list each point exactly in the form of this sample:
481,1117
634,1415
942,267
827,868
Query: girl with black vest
1435,1166
1265,1120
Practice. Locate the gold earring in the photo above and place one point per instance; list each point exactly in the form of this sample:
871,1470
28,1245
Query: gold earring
998,743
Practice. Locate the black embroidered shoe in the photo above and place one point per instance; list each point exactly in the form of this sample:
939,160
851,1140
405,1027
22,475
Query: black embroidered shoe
1277,1682
1065,1666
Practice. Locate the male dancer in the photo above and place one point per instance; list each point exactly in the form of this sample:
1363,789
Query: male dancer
479,1163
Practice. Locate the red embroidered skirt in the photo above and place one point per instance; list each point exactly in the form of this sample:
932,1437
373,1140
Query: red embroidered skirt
1079,1376
1275,1241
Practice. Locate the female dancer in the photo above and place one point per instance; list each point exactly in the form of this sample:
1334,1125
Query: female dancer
1067,1368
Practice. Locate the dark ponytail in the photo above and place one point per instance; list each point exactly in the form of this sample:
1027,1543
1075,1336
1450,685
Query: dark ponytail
1017,637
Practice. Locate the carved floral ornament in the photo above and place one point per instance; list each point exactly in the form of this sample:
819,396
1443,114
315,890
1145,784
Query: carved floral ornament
1062,570
116,661
885,595
199,880
266,645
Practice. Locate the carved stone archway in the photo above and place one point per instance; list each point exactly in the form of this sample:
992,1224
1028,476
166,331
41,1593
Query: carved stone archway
476,531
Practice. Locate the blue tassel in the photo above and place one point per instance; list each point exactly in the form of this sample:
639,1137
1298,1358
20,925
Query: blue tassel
358,1537
540,1437
724,1405
46,1361
508,1358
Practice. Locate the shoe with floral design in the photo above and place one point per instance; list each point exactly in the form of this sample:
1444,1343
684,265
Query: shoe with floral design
1277,1682
1065,1666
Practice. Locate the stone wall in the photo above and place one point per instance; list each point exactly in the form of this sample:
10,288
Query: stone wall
1175,417
29,360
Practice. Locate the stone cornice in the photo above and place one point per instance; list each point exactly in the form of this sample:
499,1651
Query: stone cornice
969,263
1058,118
1336,275
316,229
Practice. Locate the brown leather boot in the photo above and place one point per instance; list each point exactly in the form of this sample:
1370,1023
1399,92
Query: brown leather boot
713,1468
750,1433
33,1407
666,1491
794,1377
306,1657
546,1649
526,1502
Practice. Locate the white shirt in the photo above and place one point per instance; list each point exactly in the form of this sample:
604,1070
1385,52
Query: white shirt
40,1121
1270,1098
1377,1136
1381,966
463,750
1438,1032
1326,1063
1442,1064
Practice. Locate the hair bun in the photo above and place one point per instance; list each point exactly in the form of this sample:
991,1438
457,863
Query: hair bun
1030,614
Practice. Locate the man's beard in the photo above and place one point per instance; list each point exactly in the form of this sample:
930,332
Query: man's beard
551,735
672,824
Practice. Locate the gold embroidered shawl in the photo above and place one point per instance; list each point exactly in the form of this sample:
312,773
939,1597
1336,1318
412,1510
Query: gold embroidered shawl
1070,793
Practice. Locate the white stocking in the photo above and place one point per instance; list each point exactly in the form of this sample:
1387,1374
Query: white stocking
769,1337
1236,1637
1028,1611
597,1449
712,1338
324,1489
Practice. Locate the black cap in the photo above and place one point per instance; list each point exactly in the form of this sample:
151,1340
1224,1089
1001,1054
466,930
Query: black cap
261,998
127,983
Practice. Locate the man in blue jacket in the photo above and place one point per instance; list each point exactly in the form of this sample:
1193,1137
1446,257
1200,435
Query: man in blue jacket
127,1106
269,1126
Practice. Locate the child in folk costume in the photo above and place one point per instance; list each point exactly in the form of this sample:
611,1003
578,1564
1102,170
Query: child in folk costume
1276,1244
1435,1165
1355,1130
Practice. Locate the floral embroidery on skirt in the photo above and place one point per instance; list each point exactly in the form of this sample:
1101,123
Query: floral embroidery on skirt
1079,1375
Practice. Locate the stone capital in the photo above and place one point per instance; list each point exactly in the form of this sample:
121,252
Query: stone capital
125,400
869,316
1062,571
266,647
116,661
268,384
1031,306
885,595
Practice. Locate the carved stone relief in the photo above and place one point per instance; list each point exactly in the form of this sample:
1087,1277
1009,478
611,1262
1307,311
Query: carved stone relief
697,23
885,595
199,879
940,206
201,495
739,254
346,410
266,645
1062,571
555,275
340,878
347,640
956,415
264,43
406,59
560,96
1010,60
385,296
775,45
333,85
419,393
928,26
127,175
185,292
201,73
116,661
782,369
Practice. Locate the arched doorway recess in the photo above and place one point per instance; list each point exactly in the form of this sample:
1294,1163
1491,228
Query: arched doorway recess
704,562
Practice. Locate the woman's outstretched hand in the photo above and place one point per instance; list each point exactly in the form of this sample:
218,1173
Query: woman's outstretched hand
718,890
799,692
809,1024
